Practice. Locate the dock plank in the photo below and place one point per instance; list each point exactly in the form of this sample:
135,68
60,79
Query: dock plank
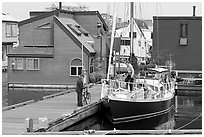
52,108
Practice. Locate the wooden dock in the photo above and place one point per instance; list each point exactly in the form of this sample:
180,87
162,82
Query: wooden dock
124,132
13,120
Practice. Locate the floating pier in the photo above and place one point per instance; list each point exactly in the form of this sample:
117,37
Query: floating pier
123,132
53,110
191,83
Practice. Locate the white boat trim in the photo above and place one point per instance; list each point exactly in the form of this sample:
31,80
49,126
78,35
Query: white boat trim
140,117
144,100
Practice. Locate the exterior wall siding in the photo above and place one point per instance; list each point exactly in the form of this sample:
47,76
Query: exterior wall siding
29,35
166,41
7,39
56,70
65,51
89,23
52,70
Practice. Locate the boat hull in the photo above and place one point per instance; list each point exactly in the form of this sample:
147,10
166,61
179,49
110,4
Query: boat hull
120,111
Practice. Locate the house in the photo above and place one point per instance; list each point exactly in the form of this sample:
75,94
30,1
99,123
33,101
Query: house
179,39
148,32
9,36
51,47
140,48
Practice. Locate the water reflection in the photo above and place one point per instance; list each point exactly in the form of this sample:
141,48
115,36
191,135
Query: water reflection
99,122
183,116
188,112
21,95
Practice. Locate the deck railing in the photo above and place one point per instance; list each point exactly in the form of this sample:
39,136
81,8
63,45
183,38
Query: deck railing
156,89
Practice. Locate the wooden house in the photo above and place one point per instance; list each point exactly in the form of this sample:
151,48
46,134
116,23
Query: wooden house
140,48
179,39
51,47
9,36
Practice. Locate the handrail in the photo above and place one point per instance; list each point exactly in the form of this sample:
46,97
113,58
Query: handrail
154,89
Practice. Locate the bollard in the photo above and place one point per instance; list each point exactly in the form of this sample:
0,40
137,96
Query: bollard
29,124
43,122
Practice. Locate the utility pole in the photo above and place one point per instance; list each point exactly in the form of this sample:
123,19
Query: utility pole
100,36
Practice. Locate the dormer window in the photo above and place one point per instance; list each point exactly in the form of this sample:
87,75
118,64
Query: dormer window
44,26
82,30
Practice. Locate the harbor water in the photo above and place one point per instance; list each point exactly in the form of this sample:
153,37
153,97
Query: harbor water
186,114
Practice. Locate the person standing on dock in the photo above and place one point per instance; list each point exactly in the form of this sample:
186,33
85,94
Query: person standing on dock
79,89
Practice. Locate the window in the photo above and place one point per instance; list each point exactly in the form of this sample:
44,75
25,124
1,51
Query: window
76,67
17,63
32,64
184,30
74,29
11,30
44,26
134,34
3,52
183,33
125,42
139,43
91,65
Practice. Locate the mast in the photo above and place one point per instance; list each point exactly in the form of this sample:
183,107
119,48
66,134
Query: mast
131,29
112,40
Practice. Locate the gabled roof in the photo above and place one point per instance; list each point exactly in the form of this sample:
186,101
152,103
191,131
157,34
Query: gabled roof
69,26
22,51
141,24
148,22
43,14
8,18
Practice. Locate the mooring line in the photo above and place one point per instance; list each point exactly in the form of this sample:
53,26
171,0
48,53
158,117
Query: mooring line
169,131
189,122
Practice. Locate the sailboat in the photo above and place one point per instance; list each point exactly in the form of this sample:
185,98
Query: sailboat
152,93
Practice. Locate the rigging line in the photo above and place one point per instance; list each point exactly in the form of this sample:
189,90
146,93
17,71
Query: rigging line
157,34
125,13
189,122
112,38
184,125
140,10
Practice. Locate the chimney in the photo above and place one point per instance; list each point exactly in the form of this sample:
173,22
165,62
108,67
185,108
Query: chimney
194,7
60,5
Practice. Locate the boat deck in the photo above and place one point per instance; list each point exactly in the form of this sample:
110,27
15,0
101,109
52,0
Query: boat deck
138,95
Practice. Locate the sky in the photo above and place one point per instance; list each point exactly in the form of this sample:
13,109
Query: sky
146,10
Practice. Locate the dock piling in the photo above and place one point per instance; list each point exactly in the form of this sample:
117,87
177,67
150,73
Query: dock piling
29,124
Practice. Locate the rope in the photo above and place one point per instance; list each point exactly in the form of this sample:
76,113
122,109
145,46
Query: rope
169,130
189,122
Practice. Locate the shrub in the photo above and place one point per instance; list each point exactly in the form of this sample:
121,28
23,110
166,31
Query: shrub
96,76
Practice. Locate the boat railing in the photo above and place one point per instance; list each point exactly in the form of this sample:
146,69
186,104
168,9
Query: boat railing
154,90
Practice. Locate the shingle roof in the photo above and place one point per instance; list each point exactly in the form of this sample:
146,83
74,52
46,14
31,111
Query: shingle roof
43,14
69,26
22,51
142,24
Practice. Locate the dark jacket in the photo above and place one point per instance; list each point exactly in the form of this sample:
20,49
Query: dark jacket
79,85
